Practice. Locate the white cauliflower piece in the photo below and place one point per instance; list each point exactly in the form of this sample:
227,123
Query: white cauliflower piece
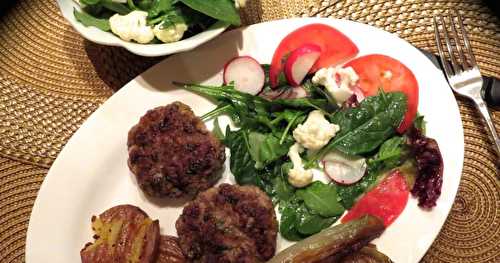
315,132
172,33
240,3
337,81
132,27
298,176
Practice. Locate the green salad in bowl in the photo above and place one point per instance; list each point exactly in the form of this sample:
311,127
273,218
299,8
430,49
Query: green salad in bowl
151,27
156,21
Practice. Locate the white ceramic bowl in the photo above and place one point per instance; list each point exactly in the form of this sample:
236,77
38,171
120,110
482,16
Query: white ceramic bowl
149,50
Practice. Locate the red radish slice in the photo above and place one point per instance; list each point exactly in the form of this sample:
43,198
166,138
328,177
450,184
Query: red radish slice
300,62
386,201
286,95
335,46
298,93
358,92
246,73
344,169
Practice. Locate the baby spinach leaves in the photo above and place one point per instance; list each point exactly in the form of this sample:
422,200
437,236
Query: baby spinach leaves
119,8
265,148
364,128
198,15
309,211
223,10
89,20
322,199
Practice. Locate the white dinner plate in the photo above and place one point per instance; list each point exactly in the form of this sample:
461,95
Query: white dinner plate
91,174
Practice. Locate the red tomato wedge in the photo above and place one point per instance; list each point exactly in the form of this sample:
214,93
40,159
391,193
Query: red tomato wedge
386,201
379,71
336,48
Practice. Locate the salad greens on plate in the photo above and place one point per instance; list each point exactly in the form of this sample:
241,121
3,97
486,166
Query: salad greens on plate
323,140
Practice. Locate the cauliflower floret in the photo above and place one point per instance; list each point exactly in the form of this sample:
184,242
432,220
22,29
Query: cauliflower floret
240,3
132,27
171,33
337,81
298,176
315,132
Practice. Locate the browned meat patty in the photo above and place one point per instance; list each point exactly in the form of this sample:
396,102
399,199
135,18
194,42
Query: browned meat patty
172,154
123,234
228,223
169,250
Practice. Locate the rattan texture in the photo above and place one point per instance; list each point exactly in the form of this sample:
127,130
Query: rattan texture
51,80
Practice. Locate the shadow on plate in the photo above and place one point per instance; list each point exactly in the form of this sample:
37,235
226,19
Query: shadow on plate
188,67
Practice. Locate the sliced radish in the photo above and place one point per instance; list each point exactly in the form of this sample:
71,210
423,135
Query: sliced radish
344,169
246,73
300,62
298,92
271,94
358,92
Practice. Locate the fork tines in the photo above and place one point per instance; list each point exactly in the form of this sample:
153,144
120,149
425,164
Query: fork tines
453,42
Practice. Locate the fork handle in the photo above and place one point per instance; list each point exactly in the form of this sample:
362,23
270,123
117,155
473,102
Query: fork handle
491,127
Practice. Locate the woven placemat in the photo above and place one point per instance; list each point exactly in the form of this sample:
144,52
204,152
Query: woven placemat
51,80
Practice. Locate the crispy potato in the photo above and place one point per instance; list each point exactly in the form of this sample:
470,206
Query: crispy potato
123,233
169,250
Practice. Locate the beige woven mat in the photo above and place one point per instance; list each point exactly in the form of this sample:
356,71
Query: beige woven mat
51,80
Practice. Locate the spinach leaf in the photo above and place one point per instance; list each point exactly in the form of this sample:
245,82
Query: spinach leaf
265,148
391,151
115,7
419,123
142,4
89,20
90,2
159,6
217,130
364,128
309,224
321,199
298,221
317,91
241,163
288,221
223,10
284,191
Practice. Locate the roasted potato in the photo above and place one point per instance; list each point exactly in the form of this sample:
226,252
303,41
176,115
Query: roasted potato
125,234
169,250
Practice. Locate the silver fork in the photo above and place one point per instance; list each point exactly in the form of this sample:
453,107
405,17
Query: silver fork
464,77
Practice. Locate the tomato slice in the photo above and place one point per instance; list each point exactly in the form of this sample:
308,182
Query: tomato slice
386,201
379,71
336,48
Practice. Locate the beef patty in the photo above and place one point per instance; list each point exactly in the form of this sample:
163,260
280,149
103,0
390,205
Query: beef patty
172,154
228,223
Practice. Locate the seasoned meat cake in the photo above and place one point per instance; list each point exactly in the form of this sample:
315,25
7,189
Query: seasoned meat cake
123,234
172,154
229,223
